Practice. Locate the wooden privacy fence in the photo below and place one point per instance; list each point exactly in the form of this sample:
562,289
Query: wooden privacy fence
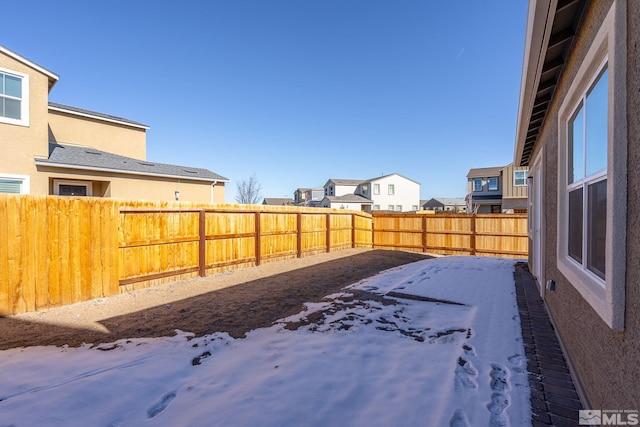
56,251
459,234
157,244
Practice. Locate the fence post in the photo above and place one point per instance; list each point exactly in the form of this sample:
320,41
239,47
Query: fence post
257,228
424,233
299,236
353,230
473,234
202,256
328,235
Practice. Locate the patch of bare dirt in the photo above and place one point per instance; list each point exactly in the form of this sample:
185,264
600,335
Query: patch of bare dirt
236,302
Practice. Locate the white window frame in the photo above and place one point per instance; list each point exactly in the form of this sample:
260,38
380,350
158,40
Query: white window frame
391,207
489,187
376,207
391,188
58,182
376,189
24,102
524,180
25,185
477,187
608,47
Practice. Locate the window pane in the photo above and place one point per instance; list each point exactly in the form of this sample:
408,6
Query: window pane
576,139
596,125
13,86
575,225
10,186
1,84
392,189
11,109
597,227
73,190
493,184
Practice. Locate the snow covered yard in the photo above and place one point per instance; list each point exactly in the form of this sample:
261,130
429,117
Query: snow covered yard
433,343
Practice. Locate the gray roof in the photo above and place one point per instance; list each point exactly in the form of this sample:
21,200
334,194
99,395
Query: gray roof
345,181
279,201
102,116
485,172
86,158
349,198
447,201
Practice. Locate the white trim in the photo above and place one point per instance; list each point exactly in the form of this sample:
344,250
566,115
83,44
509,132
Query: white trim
124,172
98,117
58,182
29,63
609,46
24,101
26,181
539,24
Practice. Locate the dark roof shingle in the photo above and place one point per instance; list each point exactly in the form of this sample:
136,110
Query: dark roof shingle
89,158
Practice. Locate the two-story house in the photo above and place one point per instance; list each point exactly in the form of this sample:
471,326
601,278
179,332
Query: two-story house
392,192
501,189
53,149
308,196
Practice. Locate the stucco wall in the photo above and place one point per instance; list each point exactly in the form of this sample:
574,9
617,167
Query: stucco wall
132,187
19,144
106,136
605,360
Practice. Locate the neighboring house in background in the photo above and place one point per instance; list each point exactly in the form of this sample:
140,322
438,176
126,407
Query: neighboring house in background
347,201
277,201
500,189
54,149
484,192
392,192
308,196
444,204
580,72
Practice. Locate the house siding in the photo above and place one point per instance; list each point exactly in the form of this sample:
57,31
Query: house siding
118,139
19,144
509,190
605,360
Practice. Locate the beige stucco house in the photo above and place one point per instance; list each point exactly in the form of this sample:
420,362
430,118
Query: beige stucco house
578,132
53,149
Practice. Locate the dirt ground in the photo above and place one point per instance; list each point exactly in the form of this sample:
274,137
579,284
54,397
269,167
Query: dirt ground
236,302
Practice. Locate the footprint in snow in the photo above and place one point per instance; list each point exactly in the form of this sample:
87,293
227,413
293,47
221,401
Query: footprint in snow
161,405
459,419
466,374
499,375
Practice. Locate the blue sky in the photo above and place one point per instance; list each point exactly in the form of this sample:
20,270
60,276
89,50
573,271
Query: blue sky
293,91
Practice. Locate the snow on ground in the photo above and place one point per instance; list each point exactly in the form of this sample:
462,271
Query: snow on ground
433,343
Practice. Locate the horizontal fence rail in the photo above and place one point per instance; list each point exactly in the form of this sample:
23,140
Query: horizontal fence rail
454,234
56,250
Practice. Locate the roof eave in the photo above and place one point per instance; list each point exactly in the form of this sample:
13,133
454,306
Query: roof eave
97,117
53,78
539,24
42,162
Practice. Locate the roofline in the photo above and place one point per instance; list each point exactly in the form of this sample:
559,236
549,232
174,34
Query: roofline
43,162
53,78
60,108
539,24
